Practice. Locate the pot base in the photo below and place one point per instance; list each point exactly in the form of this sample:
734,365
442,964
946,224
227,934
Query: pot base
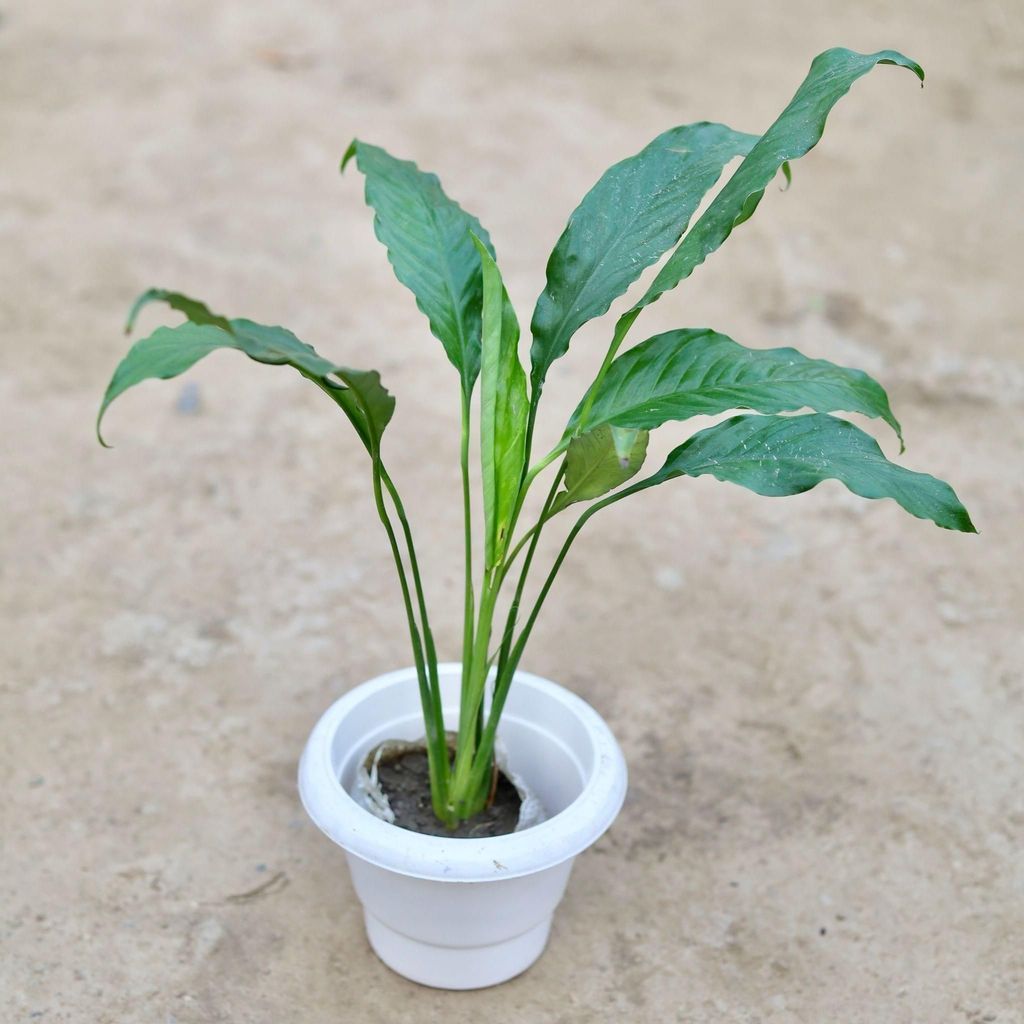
456,967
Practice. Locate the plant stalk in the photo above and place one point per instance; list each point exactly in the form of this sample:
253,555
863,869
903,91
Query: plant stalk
466,793
437,710
462,797
437,751
468,601
426,665
622,327
534,536
503,682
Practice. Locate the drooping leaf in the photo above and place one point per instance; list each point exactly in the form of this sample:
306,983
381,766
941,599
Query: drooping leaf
635,213
503,409
427,236
699,372
599,461
781,455
195,311
798,129
170,351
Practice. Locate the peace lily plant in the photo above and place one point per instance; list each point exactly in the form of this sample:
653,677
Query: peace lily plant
639,211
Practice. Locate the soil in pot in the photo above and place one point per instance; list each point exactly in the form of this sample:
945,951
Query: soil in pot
405,780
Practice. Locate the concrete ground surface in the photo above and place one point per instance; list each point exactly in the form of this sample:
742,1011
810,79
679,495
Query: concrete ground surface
820,698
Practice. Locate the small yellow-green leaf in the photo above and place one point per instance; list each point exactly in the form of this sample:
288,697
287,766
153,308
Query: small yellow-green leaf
599,461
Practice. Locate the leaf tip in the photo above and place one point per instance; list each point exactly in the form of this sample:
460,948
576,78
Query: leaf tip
895,424
99,430
149,295
900,60
485,256
966,524
353,146
787,173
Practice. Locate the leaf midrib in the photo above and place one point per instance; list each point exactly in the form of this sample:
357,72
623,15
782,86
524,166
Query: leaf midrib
712,392
450,286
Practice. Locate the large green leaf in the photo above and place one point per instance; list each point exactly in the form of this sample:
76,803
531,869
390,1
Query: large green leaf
170,351
780,455
427,236
797,129
634,214
698,372
503,409
599,461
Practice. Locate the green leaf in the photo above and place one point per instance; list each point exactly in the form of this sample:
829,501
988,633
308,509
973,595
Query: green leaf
797,129
195,311
503,409
781,455
699,372
634,214
427,236
170,351
599,461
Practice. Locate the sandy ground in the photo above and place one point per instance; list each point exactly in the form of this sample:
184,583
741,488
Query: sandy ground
821,699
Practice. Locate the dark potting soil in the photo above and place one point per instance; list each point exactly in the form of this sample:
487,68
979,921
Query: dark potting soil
405,780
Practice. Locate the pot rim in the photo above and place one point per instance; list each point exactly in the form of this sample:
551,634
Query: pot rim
439,858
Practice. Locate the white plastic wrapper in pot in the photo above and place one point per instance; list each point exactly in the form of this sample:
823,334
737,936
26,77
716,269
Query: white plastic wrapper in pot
370,795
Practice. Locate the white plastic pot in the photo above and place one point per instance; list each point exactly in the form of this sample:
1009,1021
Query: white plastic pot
464,913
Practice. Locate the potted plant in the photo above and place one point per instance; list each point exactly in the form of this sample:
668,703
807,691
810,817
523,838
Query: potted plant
462,792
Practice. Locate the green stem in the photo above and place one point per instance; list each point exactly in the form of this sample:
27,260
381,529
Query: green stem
534,535
467,526
461,798
528,537
502,683
528,478
464,798
437,752
531,420
429,684
622,327
523,541
436,709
